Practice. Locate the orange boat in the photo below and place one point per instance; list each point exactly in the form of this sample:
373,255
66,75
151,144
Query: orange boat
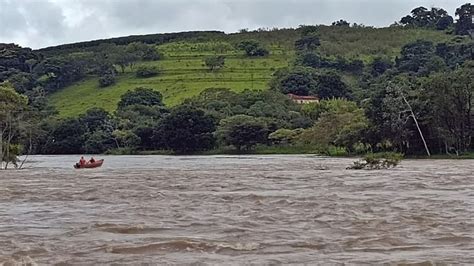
95,164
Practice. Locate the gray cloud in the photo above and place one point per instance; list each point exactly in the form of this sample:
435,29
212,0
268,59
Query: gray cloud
40,23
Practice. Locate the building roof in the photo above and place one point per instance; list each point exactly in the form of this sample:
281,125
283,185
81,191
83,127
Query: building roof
299,97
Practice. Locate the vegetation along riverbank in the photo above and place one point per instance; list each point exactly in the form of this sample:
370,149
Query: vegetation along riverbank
338,90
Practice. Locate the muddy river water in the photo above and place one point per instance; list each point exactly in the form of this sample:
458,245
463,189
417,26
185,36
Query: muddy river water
236,210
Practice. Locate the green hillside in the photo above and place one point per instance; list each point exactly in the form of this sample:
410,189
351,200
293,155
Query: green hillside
184,74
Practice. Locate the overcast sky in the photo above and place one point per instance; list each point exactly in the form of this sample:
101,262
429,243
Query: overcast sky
41,23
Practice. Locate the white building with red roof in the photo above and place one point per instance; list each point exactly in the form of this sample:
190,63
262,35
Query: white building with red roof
303,99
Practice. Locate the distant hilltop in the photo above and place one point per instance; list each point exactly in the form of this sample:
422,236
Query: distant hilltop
158,38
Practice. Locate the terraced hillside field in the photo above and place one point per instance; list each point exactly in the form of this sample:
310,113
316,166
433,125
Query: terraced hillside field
183,75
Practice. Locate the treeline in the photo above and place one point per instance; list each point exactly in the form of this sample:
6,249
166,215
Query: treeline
156,39
439,19
219,119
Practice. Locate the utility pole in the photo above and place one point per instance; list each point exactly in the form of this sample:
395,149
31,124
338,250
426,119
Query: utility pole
416,121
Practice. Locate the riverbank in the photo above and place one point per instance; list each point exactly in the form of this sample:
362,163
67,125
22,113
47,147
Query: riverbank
284,150
259,150
469,155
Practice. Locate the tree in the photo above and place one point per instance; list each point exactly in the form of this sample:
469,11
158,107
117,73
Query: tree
419,57
298,81
407,20
307,43
215,62
421,17
137,114
143,51
140,96
57,72
126,139
15,59
398,112
330,85
310,60
124,59
436,18
106,80
341,125
412,115
341,23
242,131
285,136
66,137
96,119
38,101
308,30
22,82
451,96
98,141
444,23
253,48
107,74
379,65
355,66
12,111
100,127
464,25
139,120
306,81
185,130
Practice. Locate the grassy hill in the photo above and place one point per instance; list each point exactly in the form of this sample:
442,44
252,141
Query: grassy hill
184,74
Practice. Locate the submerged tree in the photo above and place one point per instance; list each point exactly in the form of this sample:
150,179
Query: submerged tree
13,108
376,161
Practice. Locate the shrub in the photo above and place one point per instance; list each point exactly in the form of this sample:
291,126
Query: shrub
146,71
140,96
284,136
214,62
383,160
253,48
107,80
336,151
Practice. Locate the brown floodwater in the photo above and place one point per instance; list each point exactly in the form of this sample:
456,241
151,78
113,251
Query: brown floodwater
236,210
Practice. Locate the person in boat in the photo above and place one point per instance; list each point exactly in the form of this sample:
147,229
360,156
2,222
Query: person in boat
92,160
81,162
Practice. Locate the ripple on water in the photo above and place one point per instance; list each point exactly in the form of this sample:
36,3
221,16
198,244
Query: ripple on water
238,210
